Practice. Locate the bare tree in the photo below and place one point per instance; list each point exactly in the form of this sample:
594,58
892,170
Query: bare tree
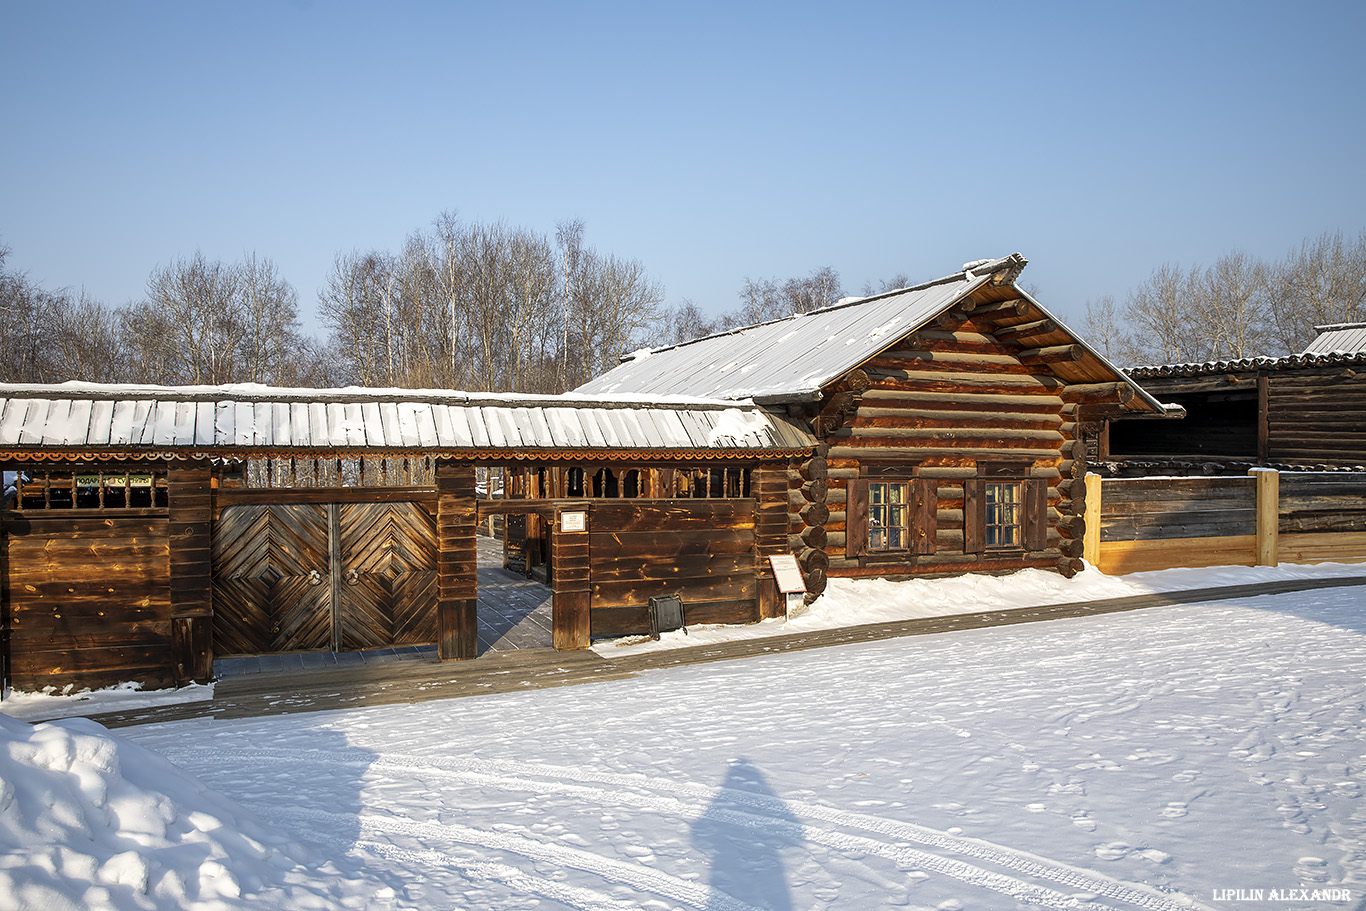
215,322
1321,283
1103,328
1165,326
1231,300
684,323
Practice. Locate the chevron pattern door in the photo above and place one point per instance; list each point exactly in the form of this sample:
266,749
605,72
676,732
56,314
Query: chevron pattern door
389,590
336,576
272,590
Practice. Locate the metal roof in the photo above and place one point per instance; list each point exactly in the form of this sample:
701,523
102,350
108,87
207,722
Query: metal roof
793,359
259,419
788,359
1339,338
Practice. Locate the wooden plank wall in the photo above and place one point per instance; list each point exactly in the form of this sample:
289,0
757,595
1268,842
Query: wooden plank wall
701,549
948,397
89,599
1316,416
1163,523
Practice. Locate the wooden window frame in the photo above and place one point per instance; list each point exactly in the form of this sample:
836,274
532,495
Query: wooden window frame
1033,506
921,504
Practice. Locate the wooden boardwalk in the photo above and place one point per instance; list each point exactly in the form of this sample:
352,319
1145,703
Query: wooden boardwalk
420,680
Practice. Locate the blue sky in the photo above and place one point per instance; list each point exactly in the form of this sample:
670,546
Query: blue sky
710,141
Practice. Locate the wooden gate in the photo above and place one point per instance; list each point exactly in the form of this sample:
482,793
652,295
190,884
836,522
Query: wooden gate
338,576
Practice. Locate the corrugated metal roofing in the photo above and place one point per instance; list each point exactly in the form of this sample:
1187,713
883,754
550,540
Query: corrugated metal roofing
261,419
1341,338
785,359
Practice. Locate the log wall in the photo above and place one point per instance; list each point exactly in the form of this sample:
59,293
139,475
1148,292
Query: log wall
948,399
1286,415
1316,416
703,550
89,599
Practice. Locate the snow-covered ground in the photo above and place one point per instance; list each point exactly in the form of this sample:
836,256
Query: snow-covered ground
1181,757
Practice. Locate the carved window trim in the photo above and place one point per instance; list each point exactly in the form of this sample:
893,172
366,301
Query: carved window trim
986,514
920,504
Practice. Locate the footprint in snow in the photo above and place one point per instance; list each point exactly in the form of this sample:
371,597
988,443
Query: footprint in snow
1115,850
1175,810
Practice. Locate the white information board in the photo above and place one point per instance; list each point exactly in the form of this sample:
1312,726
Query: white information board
573,521
788,574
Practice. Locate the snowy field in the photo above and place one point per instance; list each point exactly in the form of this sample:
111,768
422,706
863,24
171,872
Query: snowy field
1204,756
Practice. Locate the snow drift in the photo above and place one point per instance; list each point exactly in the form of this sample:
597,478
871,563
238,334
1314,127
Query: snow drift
91,820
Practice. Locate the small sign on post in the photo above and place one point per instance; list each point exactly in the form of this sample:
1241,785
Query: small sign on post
573,521
789,577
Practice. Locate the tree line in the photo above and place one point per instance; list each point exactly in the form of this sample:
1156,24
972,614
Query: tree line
1238,306
462,305
490,307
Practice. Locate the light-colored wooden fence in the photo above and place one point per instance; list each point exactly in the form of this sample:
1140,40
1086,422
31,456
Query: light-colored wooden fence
1268,517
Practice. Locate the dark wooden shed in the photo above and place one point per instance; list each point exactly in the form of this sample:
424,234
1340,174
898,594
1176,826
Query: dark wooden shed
1299,411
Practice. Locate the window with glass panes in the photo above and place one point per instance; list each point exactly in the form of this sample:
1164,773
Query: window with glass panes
887,516
1004,518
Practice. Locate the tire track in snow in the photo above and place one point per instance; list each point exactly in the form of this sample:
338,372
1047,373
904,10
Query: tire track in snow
506,875
637,876
627,788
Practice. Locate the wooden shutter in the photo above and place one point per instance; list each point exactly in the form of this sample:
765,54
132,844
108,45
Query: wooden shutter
856,519
1035,514
974,516
925,518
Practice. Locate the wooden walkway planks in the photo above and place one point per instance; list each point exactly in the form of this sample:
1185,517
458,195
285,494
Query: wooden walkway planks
500,672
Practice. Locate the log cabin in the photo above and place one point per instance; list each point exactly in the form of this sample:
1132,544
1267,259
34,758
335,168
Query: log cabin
948,416
926,431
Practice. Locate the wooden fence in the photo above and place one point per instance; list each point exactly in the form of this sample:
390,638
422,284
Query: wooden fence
1268,517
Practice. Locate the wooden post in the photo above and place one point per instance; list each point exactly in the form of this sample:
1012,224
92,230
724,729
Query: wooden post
1091,533
456,562
190,509
1268,514
768,483
570,605
1263,418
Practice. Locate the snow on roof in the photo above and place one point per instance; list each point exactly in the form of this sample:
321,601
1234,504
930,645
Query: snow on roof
795,358
788,359
257,419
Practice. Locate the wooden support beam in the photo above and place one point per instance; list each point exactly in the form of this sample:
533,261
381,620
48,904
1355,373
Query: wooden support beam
456,521
1091,533
1263,418
571,623
190,512
1009,334
1091,394
1268,515
1054,354
1003,310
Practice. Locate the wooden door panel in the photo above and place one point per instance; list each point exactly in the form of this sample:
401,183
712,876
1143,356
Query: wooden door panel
389,593
270,579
